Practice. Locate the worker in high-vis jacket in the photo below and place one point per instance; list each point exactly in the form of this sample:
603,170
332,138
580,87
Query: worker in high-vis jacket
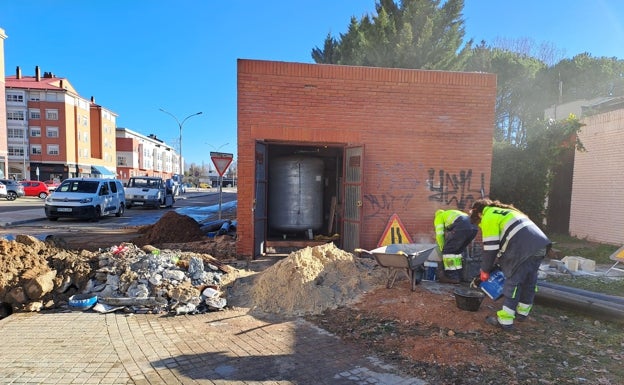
513,241
454,232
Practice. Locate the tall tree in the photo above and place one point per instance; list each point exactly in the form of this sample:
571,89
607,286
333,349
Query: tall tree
419,34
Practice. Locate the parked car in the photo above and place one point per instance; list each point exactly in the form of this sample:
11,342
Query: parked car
35,188
148,191
3,190
14,189
52,184
89,198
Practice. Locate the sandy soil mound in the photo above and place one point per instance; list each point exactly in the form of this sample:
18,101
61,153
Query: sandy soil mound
310,281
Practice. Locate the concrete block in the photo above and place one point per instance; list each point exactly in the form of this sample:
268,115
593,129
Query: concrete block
574,263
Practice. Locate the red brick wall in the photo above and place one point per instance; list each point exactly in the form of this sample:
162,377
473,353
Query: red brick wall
413,124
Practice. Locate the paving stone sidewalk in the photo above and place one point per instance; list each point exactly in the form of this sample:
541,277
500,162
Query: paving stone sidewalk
227,347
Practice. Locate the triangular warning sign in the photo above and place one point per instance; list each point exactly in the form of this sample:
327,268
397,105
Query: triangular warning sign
221,161
394,233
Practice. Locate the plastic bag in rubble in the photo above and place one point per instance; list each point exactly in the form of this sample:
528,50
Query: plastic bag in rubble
216,303
187,308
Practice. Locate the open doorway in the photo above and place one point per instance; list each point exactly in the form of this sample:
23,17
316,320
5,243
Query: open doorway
303,195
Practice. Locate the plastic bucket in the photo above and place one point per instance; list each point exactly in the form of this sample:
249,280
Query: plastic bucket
468,299
493,287
430,271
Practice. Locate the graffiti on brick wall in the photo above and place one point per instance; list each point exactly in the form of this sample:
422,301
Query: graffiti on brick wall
385,203
455,189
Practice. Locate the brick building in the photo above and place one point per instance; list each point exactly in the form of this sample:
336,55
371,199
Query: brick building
596,209
138,154
53,132
327,149
4,159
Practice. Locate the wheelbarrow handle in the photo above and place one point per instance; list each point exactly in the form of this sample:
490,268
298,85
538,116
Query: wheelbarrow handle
358,250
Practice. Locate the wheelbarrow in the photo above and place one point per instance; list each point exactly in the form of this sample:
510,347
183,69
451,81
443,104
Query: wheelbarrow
406,257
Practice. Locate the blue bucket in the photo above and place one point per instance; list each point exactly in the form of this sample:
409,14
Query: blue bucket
430,271
493,287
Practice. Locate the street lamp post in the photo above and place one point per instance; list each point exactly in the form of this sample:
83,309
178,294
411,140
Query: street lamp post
180,124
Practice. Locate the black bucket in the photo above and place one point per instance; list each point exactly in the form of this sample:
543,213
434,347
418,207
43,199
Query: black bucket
468,299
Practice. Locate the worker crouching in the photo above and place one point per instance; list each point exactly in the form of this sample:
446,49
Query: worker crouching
454,232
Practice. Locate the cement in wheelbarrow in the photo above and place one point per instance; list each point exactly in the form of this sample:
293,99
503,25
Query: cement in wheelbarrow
406,257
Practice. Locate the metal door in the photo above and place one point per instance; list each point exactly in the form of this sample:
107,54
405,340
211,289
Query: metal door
352,188
260,199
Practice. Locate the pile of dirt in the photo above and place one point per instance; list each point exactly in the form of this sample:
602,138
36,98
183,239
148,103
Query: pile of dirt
310,281
172,227
35,275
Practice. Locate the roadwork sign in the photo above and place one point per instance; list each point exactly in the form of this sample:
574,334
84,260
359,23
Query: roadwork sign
395,233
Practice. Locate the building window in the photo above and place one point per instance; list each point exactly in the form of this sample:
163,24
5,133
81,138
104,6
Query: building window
35,149
35,96
15,133
35,132
35,114
52,132
15,115
15,151
53,149
15,98
52,114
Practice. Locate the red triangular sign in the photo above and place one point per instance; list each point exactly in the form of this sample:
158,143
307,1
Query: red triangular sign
221,161
394,233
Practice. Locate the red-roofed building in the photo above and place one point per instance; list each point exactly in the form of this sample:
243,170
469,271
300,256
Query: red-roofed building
53,132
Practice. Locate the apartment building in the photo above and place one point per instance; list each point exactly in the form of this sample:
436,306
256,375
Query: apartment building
4,165
53,132
138,154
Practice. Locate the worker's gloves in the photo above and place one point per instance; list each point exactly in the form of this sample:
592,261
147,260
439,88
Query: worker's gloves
484,276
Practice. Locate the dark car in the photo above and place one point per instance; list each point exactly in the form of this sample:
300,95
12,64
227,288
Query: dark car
35,188
14,189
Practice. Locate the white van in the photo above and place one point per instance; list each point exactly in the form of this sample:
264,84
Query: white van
90,198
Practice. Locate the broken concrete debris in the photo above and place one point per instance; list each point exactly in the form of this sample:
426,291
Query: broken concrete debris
36,275
155,281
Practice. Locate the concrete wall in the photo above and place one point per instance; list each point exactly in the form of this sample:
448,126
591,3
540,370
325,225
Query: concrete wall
597,211
427,135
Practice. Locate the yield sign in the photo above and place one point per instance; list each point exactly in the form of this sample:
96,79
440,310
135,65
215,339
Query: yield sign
395,233
221,161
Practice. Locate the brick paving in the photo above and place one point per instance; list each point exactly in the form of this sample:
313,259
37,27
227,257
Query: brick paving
227,347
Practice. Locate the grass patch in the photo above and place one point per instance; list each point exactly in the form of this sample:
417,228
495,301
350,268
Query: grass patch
604,285
570,246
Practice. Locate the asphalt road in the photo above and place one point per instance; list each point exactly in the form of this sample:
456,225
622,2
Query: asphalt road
203,206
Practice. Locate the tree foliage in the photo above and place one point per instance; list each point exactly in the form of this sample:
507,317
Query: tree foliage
419,34
523,176
429,34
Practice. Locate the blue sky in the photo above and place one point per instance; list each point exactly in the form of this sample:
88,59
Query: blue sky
137,56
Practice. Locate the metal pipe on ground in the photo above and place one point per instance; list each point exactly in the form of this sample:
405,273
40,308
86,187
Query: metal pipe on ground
597,305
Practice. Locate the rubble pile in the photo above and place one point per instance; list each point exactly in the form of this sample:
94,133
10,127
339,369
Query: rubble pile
311,280
36,275
153,280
